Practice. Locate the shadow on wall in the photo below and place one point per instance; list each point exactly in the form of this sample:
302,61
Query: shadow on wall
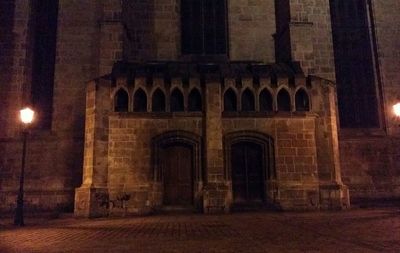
7,43
138,23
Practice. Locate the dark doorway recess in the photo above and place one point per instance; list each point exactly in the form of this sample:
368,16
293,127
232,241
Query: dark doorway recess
177,171
247,173
178,175
250,169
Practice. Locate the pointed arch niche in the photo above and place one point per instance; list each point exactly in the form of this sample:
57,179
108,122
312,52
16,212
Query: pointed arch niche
140,101
158,101
266,101
177,102
230,101
121,101
302,101
283,100
195,103
248,103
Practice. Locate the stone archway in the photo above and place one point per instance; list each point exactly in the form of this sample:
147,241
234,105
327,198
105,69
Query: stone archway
250,168
177,169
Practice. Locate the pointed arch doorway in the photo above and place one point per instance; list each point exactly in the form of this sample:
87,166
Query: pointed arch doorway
177,169
177,160
250,169
247,173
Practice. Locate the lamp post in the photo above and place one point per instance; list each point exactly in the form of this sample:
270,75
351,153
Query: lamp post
26,116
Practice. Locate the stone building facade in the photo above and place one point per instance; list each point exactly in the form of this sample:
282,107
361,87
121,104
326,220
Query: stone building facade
209,104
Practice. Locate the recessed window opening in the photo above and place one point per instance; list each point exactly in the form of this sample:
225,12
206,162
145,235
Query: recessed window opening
266,101
302,101
158,101
248,104
140,101
284,103
203,27
230,101
195,101
177,104
121,101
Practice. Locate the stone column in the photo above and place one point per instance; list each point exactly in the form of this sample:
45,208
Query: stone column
333,193
91,199
304,35
215,190
111,36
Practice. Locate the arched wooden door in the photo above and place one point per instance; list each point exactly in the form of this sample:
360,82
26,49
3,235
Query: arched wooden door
247,172
177,161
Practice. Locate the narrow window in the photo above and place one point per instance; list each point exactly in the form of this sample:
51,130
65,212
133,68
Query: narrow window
121,101
177,101
354,50
302,101
44,20
158,101
248,101
203,27
266,101
230,102
140,101
195,101
284,101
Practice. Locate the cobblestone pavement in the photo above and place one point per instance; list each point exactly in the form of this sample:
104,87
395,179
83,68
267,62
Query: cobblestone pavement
347,231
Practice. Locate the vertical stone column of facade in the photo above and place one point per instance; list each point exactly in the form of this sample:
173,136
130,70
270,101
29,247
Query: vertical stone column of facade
138,20
91,199
301,34
311,37
111,36
333,193
215,191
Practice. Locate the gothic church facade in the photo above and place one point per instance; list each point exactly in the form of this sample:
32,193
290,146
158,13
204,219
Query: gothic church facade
204,105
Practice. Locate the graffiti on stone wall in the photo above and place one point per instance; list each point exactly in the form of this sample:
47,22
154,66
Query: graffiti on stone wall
119,201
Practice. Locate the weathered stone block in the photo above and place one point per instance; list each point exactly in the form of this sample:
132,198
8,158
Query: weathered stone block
91,202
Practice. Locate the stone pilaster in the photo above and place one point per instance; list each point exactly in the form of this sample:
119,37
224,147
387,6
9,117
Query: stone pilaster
91,199
111,36
215,191
304,35
333,193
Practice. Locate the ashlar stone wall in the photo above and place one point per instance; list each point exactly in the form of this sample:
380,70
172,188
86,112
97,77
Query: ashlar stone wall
152,30
120,174
54,156
370,157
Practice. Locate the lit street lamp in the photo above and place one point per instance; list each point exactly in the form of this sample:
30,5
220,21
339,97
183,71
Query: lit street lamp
26,116
396,110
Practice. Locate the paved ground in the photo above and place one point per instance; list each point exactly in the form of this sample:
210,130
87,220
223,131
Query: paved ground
349,231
